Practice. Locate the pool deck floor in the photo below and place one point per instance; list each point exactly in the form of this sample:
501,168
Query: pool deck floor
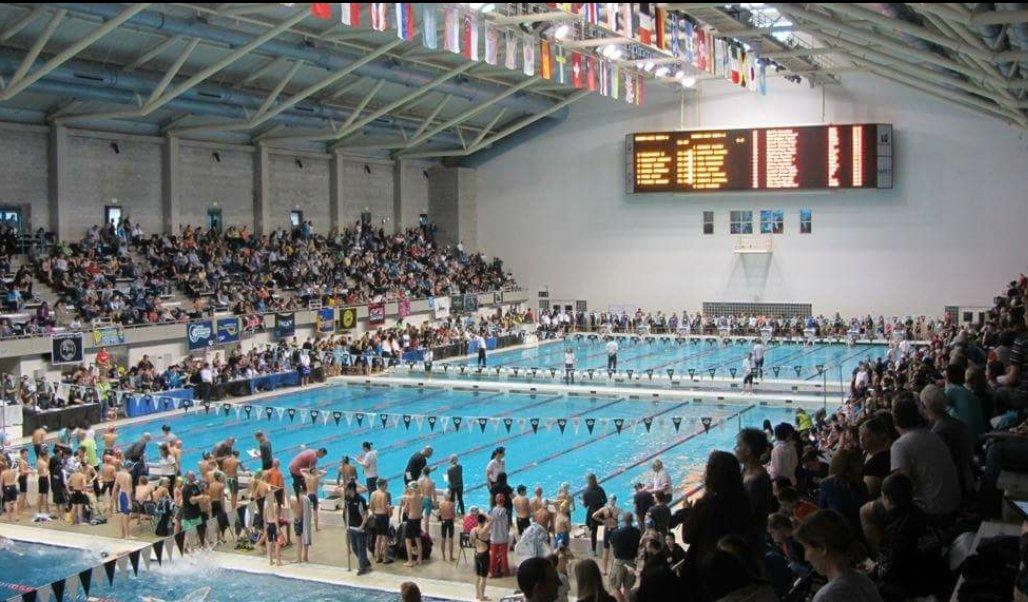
437,579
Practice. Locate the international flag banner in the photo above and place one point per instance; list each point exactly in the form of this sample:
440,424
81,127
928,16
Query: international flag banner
615,80
590,73
451,30
604,78
626,22
405,21
734,73
660,29
469,36
762,79
611,9
688,42
545,60
640,90
510,50
528,54
350,14
379,15
592,12
645,30
720,57
675,26
429,25
492,44
630,88
322,10
701,50
560,57
577,76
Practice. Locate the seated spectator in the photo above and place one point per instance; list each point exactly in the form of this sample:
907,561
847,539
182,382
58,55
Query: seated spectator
844,490
908,565
828,546
953,432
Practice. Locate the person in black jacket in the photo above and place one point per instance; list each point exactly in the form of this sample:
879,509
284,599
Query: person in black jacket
416,464
906,567
593,498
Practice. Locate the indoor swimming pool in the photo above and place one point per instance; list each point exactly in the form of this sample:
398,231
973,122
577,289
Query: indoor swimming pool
197,577
686,357
535,456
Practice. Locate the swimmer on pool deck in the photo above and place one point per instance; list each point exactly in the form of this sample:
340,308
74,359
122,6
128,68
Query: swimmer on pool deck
122,496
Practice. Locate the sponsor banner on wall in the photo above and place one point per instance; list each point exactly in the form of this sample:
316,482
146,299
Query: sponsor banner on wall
108,336
228,330
66,348
470,303
403,308
442,308
457,304
326,320
200,334
377,314
348,318
285,325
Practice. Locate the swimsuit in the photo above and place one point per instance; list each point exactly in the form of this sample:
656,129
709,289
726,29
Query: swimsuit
44,485
447,528
382,524
523,523
77,497
23,483
233,485
413,530
10,493
313,497
564,538
426,505
124,503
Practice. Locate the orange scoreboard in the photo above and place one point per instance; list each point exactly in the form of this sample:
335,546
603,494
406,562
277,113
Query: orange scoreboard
814,157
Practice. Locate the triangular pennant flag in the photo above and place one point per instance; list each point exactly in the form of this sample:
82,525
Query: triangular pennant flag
407,420
629,371
562,423
226,408
146,560
268,411
134,559
158,550
169,547
706,420
419,420
535,425
712,372
109,567
431,422
820,368
384,419
123,564
29,596
281,412
180,542
507,423
337,416
292,414
248,409
692,372
648,422
313,415
456,422
482,422
348,416
670,372
798,369
732,372
577,422
71,588
206,407
619,423
589,424
469,424
677,421
360,418
58,589
775,369
86,580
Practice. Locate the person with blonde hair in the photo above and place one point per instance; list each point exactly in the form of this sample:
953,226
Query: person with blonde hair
590,582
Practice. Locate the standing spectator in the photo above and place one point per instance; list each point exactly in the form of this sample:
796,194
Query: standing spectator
455,483
751,447
369,461
784,459
499,537
264,449
593,498
624,542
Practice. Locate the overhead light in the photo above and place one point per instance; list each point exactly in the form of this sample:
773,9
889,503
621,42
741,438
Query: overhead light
611,51
661,71
688,81
562,31
488,8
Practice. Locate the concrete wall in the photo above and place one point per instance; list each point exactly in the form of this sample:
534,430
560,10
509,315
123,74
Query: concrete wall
94,176
100,176
205,182
23,172
950,232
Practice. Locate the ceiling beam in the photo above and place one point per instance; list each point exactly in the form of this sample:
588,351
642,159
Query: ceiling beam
22,23
173,70
535,18
152,53
37,47
594,42
72,50
266,69
282,83
431,116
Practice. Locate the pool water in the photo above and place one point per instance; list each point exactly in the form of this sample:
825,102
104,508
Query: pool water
545,457
185,579
682,355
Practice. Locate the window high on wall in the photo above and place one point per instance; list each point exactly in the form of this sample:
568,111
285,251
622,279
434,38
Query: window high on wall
708,222
112,215
741,222
772,221
295,218
806,221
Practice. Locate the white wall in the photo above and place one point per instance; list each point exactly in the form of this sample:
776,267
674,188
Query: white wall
951,231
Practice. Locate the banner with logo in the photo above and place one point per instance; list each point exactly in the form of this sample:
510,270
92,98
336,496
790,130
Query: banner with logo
377,314
66,348
228,330
108,336
200,334
457,304
348,318
470,303
285,325
326,320
403,308
442,308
